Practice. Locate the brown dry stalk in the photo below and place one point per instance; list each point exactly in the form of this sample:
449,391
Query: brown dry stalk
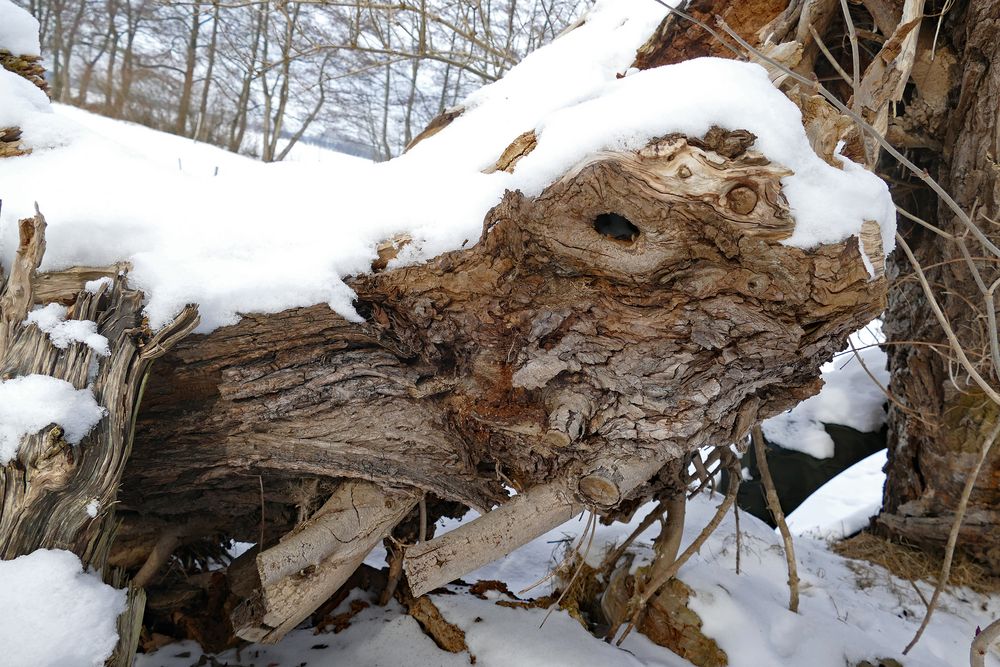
612,558
774,505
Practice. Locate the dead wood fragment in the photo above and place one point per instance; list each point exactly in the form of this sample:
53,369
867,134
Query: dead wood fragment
446,635
521,146
47,488
29,67
314,560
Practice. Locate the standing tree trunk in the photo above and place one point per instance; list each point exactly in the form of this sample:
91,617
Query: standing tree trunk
951,122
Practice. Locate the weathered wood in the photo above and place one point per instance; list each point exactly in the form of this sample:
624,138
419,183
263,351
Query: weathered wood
546,344
310,563
641,306
494,535
47,487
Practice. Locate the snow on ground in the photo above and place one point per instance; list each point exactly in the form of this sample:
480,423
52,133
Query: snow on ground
54,614
30,403
843,617
263,238
849,397
842,506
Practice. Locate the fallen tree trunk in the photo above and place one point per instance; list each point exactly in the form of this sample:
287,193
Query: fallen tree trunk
534,359
641,306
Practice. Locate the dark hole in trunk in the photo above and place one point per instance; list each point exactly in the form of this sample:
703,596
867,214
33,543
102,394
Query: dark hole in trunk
616,226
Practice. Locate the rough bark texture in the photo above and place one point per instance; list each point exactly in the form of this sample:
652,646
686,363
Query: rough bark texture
552,346
935,441
529,355
642,306
47,487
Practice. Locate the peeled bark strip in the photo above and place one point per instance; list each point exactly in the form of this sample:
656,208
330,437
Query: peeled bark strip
310,563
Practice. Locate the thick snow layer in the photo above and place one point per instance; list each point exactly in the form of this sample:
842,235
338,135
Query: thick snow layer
30,403
55,614
842,506
849,397
52,320
21,102
840,621
18,31
238,236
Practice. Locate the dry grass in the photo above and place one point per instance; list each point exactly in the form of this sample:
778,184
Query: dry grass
914,564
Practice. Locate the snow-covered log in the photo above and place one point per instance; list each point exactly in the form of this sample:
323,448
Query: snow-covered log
661,266
69,392
642,306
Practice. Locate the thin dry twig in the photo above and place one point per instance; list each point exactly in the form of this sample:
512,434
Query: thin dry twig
736,515
829,56
774,505
649,520
590,529
855,58
638,602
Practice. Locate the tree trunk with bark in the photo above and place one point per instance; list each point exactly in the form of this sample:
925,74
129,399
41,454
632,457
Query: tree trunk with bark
950,123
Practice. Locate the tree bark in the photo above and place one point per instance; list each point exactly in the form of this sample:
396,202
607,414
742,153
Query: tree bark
50,486
934,442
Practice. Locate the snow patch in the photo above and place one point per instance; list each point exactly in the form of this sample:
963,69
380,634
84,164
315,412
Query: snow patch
52,320
849,397
55,614
18,31
30,403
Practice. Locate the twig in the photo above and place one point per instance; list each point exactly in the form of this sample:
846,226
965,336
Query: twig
640,598
885,390
945,325
774,505
981,644
654,514
422,535
949,551
920,221
736,514
856,60
591,528
829,56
